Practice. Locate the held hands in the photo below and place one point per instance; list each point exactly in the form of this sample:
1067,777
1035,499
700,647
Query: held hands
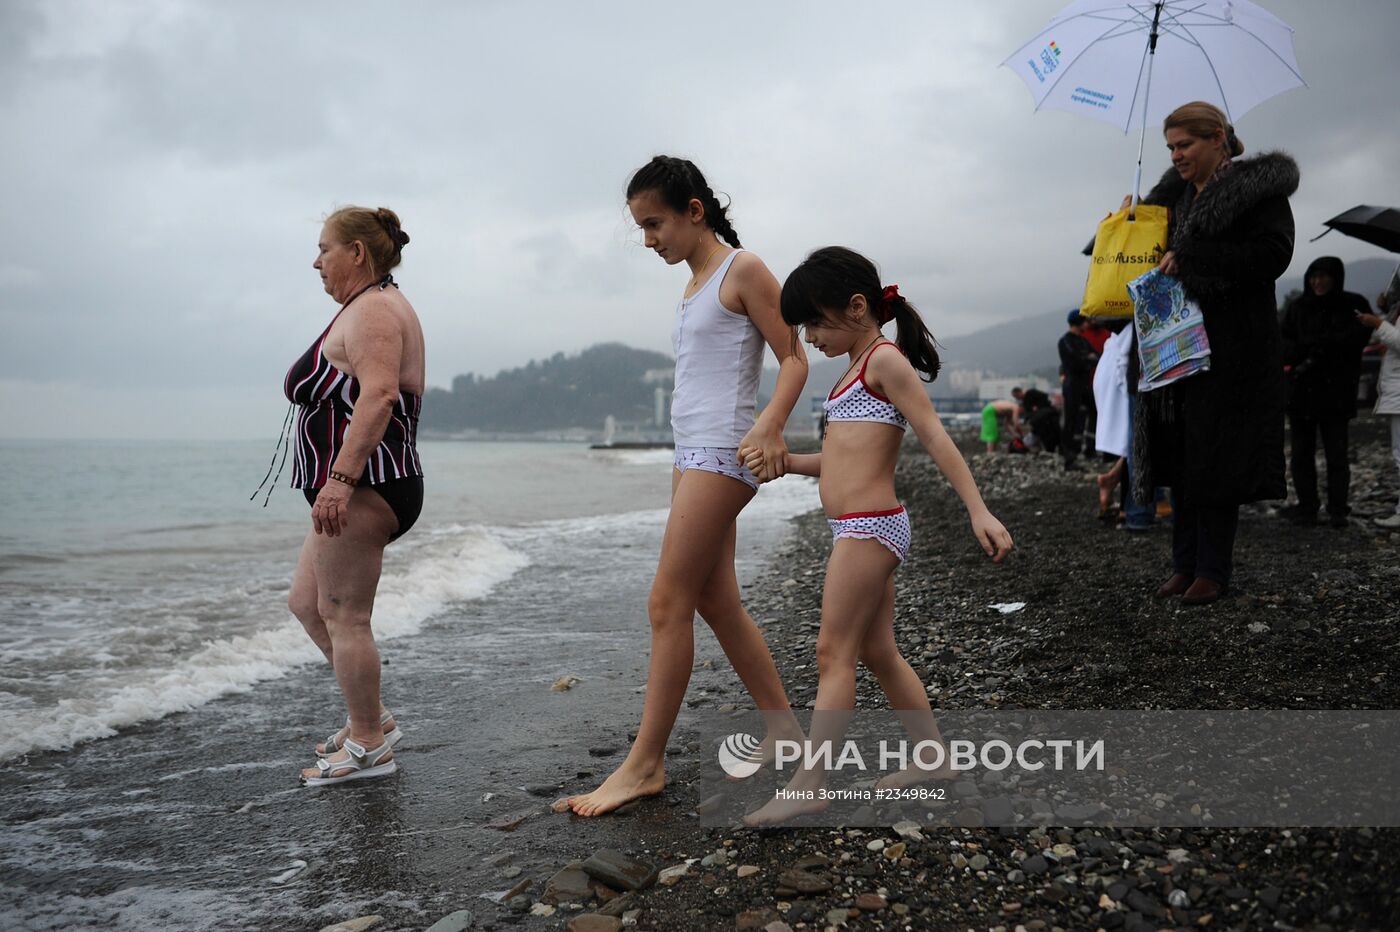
331,512
752,458
764,454
1369,320
990,533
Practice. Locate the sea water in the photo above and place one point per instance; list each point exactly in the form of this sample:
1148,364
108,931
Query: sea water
138,580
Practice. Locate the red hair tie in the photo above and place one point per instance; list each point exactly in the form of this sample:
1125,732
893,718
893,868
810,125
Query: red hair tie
887,298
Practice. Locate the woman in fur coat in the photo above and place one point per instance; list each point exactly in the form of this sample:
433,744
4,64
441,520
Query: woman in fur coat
1216,438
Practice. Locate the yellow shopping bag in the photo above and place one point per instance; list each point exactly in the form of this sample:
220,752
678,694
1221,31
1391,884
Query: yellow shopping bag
1123,250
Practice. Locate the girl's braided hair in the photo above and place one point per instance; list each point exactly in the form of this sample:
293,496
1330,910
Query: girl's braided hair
676,182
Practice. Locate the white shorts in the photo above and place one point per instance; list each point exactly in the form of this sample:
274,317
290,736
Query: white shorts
890,528
721,460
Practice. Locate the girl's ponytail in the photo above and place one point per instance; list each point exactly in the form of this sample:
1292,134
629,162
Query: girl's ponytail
911,334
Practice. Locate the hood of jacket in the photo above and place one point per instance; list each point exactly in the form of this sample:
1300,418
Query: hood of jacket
1327,265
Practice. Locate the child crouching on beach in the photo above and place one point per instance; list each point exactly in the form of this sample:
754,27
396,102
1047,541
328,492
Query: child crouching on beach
836,298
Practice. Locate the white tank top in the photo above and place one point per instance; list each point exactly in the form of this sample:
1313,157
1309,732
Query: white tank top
718,358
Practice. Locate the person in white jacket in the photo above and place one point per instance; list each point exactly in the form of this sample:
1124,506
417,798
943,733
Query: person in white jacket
1388,384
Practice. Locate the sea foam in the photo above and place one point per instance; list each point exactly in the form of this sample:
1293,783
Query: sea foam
463,564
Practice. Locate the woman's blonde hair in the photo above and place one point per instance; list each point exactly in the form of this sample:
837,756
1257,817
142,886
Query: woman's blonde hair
1203,121
378,229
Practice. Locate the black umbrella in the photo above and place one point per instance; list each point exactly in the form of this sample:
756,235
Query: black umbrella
1379,226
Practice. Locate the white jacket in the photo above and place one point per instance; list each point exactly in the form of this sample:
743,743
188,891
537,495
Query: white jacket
1388,383
1111,395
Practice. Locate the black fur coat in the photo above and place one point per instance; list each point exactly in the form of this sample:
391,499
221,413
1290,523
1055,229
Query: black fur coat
1217,438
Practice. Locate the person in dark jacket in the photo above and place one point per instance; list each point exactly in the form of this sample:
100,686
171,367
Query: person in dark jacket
1322,342
1040,416
1216,438
1077,359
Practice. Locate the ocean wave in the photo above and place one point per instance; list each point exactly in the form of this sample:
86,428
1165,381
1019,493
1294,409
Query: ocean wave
446,569
784,498
39,558
653,457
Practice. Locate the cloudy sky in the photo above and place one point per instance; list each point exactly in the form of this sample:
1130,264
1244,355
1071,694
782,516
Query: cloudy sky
166,165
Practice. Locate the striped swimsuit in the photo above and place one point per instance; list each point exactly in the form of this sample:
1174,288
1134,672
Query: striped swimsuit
326,398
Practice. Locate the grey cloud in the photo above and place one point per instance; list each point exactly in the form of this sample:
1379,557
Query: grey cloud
171,168
21,23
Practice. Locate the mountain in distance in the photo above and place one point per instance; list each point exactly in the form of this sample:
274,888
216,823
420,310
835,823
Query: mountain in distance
556,394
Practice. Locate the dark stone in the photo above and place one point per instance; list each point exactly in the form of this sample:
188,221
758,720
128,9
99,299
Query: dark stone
593,922
570,885
1269,896
870,902
997,811
803,882
1140,902
510,821
754,919
1099,846
1035,864
618,870
618,906
1080,812
969,818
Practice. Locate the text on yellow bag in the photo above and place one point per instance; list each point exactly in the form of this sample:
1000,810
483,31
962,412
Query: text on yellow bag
1123,250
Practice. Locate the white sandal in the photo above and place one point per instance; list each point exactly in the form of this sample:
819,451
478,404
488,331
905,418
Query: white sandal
331,745
363,764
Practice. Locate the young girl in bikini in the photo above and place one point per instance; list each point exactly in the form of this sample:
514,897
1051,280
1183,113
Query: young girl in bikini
835,296
727,314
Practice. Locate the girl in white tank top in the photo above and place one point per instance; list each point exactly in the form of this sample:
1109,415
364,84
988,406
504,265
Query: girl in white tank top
728,311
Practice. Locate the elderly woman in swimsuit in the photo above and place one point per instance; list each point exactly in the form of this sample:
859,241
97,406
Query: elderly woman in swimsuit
360,474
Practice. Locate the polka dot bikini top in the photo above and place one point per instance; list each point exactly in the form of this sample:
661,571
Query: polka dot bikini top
859,402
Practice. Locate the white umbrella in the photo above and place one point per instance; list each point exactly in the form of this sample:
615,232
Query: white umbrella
1134,62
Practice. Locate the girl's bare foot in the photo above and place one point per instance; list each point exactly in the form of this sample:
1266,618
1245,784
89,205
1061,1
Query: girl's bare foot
1106,481
628,782
798,798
